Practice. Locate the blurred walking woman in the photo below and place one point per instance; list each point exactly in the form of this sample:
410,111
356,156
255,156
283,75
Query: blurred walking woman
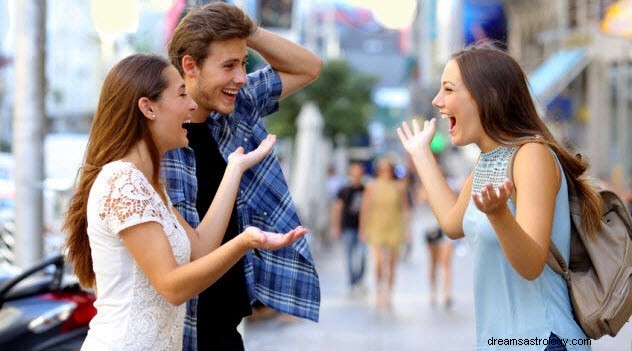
383,222
125,239
509,225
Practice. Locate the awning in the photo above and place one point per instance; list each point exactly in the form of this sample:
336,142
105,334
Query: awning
553,76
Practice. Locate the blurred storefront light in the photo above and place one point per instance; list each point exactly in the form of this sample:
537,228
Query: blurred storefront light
395,14
111,19
159,5
114,17
618,19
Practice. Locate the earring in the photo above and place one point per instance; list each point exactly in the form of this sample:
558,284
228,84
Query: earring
153,115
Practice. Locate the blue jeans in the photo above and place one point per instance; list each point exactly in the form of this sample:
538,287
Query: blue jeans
356,255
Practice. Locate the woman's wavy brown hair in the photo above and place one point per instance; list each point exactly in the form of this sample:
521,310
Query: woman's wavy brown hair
117,127
508,115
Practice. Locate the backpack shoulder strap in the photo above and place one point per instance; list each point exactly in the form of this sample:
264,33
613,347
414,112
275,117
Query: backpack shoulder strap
554,259
557,263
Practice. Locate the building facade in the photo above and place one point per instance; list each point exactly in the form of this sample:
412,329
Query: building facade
589,70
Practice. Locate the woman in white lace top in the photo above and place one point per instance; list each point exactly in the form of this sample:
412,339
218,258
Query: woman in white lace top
125,239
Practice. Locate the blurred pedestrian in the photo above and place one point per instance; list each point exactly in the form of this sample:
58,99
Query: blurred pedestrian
334,183
485,96
440,253
209,49
407,177
124,238
345,214
383,225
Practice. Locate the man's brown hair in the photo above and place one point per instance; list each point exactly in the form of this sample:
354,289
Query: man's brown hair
216,21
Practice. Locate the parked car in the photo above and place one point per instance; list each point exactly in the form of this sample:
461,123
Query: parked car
43,309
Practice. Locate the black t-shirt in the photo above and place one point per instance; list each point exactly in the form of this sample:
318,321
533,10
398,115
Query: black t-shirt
351,201
228,297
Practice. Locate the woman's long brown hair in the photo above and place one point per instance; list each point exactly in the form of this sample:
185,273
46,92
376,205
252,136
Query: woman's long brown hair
117,127
509,116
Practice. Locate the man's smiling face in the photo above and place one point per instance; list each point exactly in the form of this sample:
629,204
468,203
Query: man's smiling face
220,76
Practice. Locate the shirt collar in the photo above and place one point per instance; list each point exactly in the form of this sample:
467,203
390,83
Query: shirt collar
215,116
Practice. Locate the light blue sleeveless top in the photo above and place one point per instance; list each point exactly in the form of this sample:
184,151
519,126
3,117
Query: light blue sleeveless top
508,306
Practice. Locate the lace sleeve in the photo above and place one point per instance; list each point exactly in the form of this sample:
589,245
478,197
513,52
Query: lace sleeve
128,200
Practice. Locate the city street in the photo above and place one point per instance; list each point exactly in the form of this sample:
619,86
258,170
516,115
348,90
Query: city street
352,322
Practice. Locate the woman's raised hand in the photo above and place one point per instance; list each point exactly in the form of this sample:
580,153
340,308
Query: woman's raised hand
245,161
417,139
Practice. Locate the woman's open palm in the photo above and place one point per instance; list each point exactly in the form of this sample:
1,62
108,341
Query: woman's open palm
491,200
273,241
416,139
245,161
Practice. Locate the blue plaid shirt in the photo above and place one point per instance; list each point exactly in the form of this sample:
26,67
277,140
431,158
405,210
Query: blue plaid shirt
285,279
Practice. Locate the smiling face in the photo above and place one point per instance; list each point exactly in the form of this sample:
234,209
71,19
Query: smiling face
214,84
455,102
170,111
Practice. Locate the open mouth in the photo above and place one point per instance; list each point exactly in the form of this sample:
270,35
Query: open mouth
452,120
230,92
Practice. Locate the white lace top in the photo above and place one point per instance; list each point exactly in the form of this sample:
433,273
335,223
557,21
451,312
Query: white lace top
131,315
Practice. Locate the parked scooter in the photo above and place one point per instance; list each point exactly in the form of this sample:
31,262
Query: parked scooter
40,311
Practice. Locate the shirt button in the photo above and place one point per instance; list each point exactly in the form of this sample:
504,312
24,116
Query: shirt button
265,213
245,139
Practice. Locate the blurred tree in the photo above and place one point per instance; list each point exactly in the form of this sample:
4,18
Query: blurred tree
343,96
5,146
254,62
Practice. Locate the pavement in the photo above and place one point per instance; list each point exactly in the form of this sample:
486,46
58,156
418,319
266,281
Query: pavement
351,321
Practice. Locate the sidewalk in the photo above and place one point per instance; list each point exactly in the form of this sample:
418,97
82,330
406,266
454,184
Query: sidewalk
352,322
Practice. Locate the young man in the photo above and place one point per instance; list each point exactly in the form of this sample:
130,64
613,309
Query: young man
345,220
209,48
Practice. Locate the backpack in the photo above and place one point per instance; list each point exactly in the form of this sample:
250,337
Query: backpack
599,272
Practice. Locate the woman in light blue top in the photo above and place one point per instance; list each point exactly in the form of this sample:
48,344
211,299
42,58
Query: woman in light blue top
521,304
